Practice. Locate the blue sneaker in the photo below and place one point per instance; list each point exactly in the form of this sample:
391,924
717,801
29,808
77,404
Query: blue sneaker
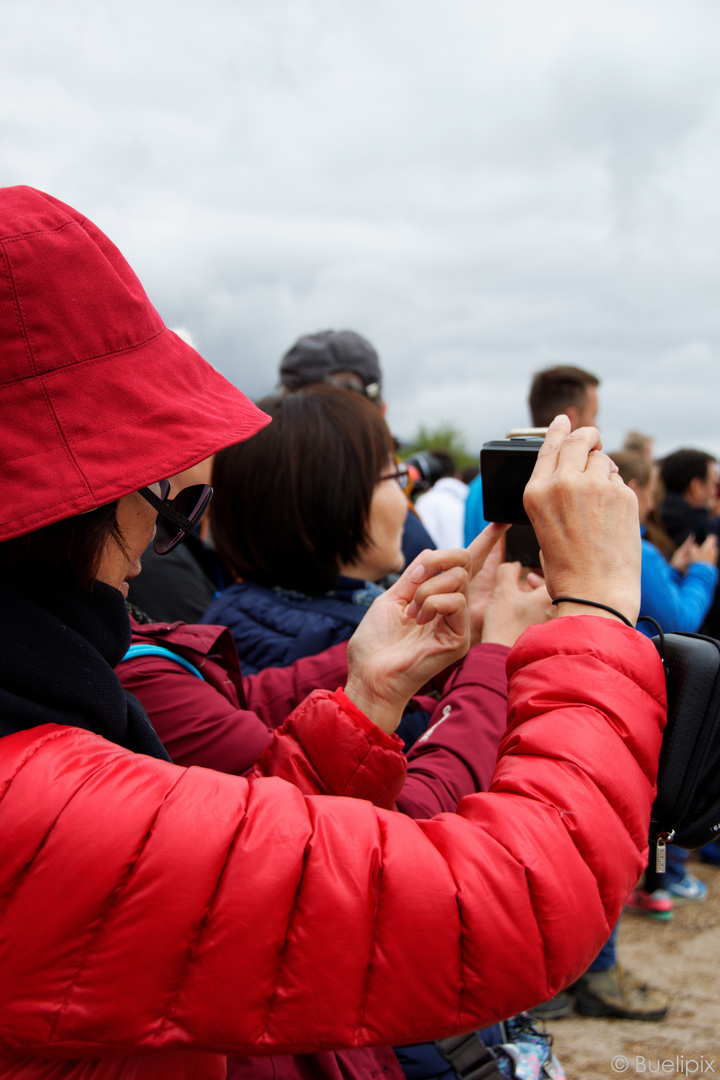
688,891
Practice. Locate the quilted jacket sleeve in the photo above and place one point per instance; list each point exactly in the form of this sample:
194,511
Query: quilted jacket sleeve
187,907
327,746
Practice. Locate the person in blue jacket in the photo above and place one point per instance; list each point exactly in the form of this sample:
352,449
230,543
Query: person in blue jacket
678,593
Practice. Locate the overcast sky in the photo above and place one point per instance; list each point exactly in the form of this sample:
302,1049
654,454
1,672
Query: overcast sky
481,188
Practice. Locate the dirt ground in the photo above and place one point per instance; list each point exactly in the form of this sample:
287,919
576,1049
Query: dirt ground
681,957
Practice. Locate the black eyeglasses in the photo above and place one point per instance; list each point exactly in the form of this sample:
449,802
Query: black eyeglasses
179,516
401,474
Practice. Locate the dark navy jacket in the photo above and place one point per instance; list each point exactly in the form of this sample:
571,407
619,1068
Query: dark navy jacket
276,627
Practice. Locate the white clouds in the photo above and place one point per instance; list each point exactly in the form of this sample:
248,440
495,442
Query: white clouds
480,188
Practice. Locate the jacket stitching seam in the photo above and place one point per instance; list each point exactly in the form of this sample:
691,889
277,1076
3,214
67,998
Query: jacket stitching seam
105,914
282,950
30,754
359,764
375,922
5,901
192,948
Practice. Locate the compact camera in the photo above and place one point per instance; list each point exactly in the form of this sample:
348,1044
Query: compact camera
506,466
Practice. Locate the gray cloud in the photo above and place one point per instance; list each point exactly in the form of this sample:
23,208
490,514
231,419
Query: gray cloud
481,189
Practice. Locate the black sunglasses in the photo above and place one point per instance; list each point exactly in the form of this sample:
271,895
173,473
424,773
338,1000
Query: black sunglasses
179,516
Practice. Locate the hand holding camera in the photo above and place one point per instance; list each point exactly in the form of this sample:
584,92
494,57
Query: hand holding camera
584,517
586,520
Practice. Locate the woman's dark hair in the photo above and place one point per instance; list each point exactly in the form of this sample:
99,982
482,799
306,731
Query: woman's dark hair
71,548
292,503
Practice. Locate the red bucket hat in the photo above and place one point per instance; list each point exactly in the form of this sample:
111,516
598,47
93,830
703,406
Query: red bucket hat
97,397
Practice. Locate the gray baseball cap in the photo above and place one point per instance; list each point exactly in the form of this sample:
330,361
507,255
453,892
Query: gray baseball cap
316,358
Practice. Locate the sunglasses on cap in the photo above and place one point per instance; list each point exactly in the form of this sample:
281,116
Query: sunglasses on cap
179,516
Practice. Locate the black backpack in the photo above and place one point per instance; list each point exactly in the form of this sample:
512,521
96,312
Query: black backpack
686,811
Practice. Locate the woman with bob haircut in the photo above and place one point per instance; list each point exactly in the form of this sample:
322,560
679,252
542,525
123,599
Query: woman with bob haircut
309,516
153,918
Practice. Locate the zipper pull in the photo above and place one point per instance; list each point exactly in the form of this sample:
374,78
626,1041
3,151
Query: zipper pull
660,851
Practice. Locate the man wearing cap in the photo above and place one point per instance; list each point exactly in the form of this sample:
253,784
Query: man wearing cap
345,358
341,357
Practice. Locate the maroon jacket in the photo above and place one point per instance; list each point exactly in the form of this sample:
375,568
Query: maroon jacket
230,730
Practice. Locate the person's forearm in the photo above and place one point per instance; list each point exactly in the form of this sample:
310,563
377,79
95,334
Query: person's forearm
274,692
457,754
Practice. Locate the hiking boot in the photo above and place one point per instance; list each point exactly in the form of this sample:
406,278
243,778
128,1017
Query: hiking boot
618,993
657,904
554,1009
688,891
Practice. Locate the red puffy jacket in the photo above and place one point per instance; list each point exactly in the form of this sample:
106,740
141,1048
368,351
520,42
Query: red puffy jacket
150,912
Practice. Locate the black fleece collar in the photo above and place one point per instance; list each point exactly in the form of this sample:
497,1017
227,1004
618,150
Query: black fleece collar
58,648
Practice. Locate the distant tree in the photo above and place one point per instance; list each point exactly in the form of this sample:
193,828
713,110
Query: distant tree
444,436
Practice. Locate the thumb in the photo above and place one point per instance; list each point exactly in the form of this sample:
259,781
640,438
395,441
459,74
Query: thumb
509,574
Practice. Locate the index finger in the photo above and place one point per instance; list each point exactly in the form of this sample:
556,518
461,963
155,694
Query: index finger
574,452
549,452
482,545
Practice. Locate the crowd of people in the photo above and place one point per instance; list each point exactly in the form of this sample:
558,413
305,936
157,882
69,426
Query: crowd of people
307,796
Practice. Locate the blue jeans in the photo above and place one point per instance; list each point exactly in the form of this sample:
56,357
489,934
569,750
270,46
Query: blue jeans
606,958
